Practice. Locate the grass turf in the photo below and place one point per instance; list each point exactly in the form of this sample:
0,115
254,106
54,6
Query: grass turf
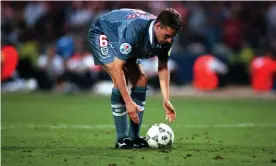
55,129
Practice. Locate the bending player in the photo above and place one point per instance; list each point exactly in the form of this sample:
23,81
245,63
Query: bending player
118,40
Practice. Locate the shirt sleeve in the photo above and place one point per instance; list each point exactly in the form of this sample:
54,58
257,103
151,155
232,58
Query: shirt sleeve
128,40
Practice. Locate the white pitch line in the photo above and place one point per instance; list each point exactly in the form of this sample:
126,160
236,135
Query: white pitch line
110,126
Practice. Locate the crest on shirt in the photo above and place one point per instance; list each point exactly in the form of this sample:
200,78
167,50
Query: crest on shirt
125,48
104,50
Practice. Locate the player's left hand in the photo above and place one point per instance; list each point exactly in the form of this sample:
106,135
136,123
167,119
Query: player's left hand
170,112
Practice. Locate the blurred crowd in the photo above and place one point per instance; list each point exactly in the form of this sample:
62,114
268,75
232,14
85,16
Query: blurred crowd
50,37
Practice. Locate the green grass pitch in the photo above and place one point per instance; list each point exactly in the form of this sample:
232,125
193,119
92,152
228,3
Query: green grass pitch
44,129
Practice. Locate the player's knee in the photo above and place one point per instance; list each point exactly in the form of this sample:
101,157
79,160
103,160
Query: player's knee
143,80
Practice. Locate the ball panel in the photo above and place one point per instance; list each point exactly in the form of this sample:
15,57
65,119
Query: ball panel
164,138
168,129
153,144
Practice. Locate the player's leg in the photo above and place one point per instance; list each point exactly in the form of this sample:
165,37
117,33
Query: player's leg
139,88
103,54
118,109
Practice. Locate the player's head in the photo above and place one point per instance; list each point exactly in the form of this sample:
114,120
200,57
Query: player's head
167,24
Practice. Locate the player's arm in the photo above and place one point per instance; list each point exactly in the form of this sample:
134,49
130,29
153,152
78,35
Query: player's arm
119,78
128,39
164,79
120,81
163,72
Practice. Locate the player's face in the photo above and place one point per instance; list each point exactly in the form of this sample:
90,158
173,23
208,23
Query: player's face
164,34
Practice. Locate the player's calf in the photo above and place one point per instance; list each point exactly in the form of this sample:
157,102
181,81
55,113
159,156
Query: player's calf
138,95
119,114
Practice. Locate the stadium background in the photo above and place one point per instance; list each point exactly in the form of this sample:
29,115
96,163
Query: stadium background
230,31
55,108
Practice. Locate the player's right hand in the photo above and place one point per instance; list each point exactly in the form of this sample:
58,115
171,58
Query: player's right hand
132,109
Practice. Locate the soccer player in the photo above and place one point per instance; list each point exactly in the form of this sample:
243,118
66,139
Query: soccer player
118,40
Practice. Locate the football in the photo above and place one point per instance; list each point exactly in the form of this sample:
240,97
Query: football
160,136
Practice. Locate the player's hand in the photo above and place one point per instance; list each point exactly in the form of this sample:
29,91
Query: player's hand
132,109
170,112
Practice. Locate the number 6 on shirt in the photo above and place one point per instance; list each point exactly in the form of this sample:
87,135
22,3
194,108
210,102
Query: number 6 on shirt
103,41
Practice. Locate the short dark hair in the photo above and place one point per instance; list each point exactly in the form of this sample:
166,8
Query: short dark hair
171,18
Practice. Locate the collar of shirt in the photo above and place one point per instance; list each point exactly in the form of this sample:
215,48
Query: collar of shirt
151,34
